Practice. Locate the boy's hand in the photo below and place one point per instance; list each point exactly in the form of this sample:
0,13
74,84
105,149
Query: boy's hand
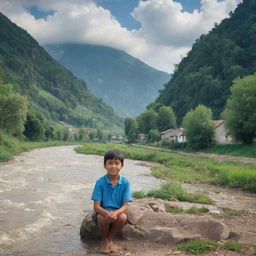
111,216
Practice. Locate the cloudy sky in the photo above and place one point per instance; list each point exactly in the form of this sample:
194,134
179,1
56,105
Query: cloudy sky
158,32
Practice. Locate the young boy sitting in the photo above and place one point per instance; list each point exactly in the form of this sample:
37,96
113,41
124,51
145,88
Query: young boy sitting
111,195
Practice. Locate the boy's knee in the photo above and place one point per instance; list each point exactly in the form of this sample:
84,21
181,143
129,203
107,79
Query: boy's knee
123,218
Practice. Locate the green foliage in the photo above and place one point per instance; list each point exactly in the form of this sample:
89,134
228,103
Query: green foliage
34,128
240,112
199,128
233,150
198,246
173,189
139,194
130,129
13,110
147,121
191,210
185,168
165,119
233,246
51,90
205,75
153,135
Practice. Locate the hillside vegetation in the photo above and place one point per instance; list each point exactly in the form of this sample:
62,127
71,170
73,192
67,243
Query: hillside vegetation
51,89
124,82
205,75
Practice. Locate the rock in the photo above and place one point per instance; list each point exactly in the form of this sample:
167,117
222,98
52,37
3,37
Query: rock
88,228
147,219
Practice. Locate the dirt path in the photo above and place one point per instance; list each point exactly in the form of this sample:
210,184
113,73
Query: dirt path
245,160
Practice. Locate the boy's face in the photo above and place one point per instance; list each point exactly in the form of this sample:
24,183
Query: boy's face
113,167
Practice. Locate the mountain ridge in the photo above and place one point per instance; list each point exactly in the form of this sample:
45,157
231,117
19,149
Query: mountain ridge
52,90
121,80
205,75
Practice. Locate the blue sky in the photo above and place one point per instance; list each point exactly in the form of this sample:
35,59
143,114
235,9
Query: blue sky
158,32
121,9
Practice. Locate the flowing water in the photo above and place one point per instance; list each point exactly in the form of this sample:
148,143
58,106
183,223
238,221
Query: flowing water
45,194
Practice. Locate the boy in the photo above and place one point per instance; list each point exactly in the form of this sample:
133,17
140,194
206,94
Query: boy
111,195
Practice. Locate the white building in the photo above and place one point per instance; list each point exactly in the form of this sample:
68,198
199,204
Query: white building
174,135
220,134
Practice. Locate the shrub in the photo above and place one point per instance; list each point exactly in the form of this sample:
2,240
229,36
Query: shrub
198,246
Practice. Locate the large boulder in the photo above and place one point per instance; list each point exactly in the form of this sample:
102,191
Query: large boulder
147,219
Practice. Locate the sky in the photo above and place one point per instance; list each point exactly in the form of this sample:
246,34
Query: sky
158,32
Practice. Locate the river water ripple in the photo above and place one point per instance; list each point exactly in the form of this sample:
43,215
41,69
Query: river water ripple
44,195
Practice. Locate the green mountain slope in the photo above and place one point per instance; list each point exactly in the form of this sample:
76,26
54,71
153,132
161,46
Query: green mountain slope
124,82
206,74
52,90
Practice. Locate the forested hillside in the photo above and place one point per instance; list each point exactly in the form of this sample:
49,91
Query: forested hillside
124,82
216,59
51,89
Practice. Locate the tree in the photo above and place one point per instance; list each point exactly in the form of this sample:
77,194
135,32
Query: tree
165,119
199,127
130,129
240,111
13,110
153,135
34,128
147,121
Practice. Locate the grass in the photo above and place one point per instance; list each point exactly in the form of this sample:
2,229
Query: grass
173,189
239,150
10,146
198,246
233,150
227,212
185,168
233,246
191,210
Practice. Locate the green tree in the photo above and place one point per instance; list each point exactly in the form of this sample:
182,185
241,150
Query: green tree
34,128
199,127
13,110
153,135
147,121
130,129
240,111
165,119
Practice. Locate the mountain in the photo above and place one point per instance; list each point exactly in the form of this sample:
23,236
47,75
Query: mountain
52,90
204,77
124,82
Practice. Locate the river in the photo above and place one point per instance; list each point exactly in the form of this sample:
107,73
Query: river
45,194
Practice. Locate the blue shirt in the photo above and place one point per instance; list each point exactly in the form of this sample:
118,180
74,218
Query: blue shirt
112,196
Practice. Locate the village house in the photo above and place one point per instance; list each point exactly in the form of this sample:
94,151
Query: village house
220,134
174,135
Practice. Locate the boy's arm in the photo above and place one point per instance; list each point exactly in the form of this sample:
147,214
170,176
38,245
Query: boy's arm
99,209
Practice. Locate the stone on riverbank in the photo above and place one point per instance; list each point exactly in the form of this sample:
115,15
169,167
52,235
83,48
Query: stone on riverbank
147,219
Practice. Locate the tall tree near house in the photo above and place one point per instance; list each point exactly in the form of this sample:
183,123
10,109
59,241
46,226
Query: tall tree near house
199,127
240,111
147,121
165,119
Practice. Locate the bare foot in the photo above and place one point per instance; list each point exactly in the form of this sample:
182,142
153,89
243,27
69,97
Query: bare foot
105,247
111,247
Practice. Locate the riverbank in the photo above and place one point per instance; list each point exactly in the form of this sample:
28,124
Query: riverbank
184,168
10,146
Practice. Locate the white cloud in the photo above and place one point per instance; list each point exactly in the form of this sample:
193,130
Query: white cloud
166,33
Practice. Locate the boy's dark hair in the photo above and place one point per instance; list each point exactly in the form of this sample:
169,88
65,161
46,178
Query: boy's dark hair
113,154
